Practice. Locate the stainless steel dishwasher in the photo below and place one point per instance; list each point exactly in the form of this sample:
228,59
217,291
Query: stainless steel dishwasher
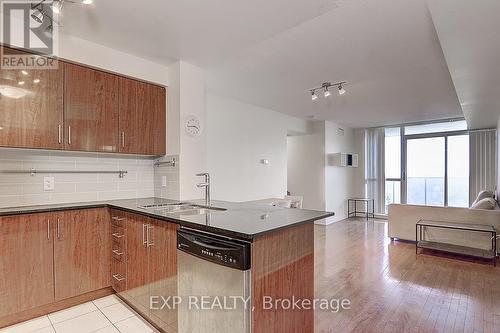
213,283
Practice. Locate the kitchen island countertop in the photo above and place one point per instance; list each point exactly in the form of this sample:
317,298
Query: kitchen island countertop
237,220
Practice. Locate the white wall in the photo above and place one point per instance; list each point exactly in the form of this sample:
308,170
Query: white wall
339,180
239,136
306,169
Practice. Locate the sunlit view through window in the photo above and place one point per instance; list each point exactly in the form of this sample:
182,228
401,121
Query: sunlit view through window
436,165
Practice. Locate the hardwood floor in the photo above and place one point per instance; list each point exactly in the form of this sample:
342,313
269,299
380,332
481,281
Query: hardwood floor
392,290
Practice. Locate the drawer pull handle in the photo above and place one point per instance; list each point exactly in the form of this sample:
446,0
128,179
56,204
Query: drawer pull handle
117,235
118,277
118,253
116,218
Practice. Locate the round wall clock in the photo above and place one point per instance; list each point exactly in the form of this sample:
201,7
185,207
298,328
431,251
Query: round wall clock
193,126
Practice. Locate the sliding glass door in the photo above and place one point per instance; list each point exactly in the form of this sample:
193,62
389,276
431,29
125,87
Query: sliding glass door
436,169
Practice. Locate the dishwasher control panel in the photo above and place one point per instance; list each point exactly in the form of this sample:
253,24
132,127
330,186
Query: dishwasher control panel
230,253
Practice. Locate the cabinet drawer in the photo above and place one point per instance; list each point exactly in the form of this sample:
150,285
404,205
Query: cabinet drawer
118,219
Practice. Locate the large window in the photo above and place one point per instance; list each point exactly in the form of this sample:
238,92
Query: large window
427,164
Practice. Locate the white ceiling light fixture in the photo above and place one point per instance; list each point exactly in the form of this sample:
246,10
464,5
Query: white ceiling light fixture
326,89
36,81
87,2
313,95
13,92
57,6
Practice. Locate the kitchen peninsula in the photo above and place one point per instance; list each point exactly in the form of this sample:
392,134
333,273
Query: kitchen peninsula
76,252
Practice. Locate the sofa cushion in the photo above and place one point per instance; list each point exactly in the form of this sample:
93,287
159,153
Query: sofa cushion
483,195
486,203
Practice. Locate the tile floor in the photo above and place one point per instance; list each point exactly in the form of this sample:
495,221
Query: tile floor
105,315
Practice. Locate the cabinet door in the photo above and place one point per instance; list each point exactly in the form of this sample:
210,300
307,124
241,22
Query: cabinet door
137,263
163,271
142,118
91,109
31,106
26,262
81,252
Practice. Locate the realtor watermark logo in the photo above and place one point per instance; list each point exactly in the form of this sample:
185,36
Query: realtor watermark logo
29,25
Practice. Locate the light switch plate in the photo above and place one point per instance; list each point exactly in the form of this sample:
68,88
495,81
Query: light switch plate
48,184
164,181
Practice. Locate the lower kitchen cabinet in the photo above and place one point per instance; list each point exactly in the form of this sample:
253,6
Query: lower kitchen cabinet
81,249
49,257
150,266
26,262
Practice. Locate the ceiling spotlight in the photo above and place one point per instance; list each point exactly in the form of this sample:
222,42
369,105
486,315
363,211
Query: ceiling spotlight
341,90
36,81
24,72
38,15
313,95
327,92
57,6
49,30
87,2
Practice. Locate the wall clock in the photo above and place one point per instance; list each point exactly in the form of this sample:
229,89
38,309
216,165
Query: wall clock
192,126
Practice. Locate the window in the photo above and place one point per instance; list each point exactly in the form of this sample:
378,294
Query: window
449,126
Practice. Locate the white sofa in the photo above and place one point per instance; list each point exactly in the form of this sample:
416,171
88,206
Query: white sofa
402,220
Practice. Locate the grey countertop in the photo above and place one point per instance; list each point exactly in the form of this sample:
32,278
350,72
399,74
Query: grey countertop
239,220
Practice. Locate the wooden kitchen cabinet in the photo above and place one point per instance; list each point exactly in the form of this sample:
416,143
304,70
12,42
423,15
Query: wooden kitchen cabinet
142,118
151,267
81,252
31,106
26,262
90,109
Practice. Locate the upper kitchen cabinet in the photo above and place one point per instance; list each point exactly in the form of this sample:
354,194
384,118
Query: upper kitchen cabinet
31,106
142,118
91,109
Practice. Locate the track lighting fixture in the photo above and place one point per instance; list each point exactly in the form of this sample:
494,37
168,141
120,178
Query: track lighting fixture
57,6
341,90
313,95
38,14
326,89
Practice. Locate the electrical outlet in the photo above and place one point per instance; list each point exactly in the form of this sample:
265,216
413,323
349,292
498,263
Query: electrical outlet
164,181
48,183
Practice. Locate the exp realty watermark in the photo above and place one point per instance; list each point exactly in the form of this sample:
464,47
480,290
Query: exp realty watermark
227,303
28,25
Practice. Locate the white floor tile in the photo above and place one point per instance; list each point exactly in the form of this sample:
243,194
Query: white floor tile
49,329
86,323
73,312
28,326
134,325
117,312
106,301
109,329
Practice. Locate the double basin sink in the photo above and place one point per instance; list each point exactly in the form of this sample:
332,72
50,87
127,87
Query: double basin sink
181,208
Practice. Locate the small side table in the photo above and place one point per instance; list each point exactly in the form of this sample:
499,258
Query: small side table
368,212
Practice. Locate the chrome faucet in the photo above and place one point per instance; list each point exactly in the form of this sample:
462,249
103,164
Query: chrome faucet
206,185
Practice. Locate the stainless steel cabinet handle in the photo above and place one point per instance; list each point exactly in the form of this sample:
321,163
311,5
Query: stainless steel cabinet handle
144,234
58,229
69,134
117,235
123,139
150,243
118,253
118,277
117,218
48,229
59,134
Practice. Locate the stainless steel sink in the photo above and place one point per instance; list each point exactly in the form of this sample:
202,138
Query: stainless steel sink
182,208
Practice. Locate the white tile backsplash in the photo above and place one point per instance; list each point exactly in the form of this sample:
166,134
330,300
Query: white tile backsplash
24,189
172,190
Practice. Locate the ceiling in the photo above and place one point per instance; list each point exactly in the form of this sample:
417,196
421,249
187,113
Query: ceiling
468,31
270,52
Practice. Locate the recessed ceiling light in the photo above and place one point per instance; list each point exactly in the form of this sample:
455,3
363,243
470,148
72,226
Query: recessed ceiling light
24,72
20,83
36,81
87,2
313,95
341,90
